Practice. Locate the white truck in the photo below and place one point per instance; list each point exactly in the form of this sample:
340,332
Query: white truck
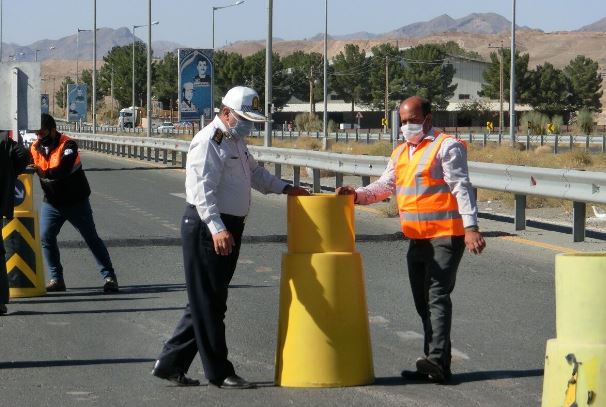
125,120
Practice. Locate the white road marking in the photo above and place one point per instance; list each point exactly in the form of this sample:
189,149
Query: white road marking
377,320
414,336
178,194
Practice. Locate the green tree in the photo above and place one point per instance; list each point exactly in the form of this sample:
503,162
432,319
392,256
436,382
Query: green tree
304,76
254,77
548,91
120,60
382,55
490,87
61,93
350,77
585,84
166,78
86,77
452,48
229,72
425,74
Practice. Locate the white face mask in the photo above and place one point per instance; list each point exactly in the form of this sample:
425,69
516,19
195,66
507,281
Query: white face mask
241,129
413,132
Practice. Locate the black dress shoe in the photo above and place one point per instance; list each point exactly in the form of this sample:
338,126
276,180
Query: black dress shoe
54,286
3,309
433,370
177,378
233,382
415,375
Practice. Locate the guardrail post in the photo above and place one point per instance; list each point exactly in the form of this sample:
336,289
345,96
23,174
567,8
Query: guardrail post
173,157
316,186
336,136
484,140
164,156
519,220
317,134
347,137
183,159
528,142
142,153
500,138
148,153
338,180
130,151
570,142
296,176
156,154
365,180
470,138
542,140
278,170
556,139
579,210
357,135
603,144
368,136
587,141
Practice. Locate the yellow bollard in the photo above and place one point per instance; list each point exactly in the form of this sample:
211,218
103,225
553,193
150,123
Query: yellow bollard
22,243
575,362
323,334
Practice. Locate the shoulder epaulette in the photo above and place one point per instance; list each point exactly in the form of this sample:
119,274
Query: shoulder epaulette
218,136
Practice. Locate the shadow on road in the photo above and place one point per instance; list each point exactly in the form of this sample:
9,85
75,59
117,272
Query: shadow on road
95,311
494,375
60,363
59,300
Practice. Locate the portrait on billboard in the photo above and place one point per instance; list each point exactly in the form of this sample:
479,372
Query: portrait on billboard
76,102
44,103
195,84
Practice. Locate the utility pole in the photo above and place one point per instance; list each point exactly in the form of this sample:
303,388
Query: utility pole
512,79
500,48
386,93
312,105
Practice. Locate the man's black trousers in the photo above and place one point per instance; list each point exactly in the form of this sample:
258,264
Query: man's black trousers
432,270
207,275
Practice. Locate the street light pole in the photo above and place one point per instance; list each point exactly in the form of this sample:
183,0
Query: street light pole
1,29
94,101
268,74
149,52
78,53
133,89
512,81
148,65
212,85
325,116
500,48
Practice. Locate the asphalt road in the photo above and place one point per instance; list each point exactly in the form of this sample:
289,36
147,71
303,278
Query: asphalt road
82,348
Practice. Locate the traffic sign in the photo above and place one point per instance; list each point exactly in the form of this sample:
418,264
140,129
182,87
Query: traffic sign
359,115
489,125
383,121
19,192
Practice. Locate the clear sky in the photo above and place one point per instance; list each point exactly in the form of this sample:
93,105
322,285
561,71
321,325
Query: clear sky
189,22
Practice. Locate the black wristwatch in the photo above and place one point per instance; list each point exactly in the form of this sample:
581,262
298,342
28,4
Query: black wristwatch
472,228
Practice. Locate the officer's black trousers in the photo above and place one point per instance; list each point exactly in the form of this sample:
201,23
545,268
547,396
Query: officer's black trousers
207,274
432,270
4,288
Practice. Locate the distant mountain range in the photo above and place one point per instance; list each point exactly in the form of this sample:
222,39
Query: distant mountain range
69,47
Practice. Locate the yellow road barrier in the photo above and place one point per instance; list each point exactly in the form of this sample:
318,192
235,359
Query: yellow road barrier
575,362
323,334
22,243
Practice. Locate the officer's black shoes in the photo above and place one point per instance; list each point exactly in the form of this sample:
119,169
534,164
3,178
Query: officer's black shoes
435,372
54,286
415,375
110,285
3,309
233,382
177,378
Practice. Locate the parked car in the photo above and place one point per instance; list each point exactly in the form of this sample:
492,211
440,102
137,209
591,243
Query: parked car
166,126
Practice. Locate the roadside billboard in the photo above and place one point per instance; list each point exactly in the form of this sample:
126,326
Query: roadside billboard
44,103
195,84
76,102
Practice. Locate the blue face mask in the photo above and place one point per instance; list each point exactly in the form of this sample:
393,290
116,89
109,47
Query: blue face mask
241,129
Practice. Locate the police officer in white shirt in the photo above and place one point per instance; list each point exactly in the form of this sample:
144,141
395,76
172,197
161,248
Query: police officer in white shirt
219,174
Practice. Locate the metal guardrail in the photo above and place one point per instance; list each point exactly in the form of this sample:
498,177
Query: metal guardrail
580,187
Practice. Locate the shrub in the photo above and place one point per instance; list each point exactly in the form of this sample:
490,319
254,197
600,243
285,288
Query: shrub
534,123
308,122
584,122
557,122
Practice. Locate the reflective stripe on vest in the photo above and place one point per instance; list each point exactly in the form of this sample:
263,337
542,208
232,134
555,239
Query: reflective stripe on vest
54,159
427,207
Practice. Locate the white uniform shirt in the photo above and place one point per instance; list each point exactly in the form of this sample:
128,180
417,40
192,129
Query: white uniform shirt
453,159
220,174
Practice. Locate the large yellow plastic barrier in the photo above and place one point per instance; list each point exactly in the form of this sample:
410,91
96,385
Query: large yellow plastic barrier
323,335
22,243
575,362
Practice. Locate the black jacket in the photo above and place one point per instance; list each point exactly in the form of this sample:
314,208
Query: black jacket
13,160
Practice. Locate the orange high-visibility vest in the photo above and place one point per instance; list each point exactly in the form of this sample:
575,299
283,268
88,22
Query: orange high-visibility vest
54,159
427,207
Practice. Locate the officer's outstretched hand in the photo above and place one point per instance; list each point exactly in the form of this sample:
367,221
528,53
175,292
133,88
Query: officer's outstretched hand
295,191
224,243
